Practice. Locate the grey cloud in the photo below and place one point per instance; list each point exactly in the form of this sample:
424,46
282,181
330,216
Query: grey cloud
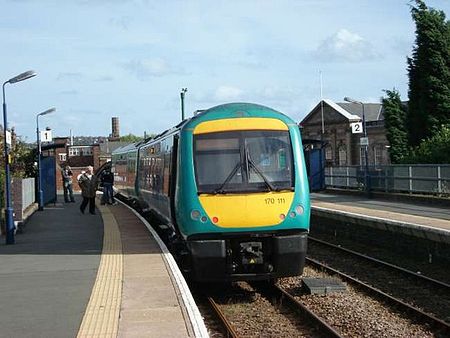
69,76
145,69
122,22
68,92
345,46
105,78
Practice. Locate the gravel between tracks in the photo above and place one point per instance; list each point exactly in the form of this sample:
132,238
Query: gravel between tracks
353,313
255,316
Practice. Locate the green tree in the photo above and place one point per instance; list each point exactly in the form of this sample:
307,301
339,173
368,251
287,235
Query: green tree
23,159
131,138
394,121
434,150
429,73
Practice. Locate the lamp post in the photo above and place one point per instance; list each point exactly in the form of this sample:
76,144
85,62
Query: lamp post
182,94
9,221
366,155
40,192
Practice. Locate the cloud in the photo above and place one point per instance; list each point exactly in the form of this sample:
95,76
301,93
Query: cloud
144,69
122,22
69,76
224,93
68,92
345,46
105,78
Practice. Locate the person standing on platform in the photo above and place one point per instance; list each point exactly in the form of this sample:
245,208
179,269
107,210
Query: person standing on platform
68,184
107,180
88,185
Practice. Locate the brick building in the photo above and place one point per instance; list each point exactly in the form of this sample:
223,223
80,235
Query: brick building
341,146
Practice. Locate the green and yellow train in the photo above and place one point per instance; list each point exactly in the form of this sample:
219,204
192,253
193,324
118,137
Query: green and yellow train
230,186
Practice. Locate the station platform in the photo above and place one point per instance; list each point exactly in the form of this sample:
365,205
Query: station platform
106,275
415,219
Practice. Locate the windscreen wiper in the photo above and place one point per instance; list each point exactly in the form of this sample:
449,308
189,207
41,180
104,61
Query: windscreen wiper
228,179
259,172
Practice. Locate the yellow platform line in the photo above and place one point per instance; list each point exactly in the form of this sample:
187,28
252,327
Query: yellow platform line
101,318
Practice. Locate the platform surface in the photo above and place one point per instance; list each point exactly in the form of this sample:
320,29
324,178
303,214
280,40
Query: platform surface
80,275
405,212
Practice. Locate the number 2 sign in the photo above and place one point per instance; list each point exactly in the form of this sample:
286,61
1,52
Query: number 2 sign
357,127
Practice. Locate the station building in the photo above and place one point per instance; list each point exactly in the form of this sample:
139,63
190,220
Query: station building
342,147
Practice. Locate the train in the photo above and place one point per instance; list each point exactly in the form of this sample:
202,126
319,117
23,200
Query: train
228,188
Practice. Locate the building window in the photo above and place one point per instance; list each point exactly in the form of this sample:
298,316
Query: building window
62,157
377,155
328,153
342,156
74,151
80,151
86,152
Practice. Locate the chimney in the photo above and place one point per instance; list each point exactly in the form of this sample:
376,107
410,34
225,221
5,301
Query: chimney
115,128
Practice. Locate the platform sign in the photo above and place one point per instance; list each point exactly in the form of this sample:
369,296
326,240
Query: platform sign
8,138
357,127
364,141
46,136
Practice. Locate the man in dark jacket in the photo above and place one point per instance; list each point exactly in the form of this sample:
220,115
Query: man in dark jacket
88,185
107,180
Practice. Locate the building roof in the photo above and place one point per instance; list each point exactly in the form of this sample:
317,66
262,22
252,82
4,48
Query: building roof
349,116
372,111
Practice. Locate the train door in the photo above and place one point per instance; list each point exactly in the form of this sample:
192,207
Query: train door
173,175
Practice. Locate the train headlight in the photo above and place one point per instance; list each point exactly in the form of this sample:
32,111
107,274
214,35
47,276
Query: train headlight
195,215
299,210
292,214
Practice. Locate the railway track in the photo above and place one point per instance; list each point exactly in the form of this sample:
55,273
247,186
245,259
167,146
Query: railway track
424,298
302,321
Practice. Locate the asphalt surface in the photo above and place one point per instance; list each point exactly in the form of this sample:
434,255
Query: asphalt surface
46,277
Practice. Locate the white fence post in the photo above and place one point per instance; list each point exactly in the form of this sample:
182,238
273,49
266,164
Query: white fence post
439,182
410,179
331,176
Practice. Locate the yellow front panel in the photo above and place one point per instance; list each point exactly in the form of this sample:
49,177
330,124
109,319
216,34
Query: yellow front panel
244,123
247,210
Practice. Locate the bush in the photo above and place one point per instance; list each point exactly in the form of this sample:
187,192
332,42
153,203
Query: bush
434,150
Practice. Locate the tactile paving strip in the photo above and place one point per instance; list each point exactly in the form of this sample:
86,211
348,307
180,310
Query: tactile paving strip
101,318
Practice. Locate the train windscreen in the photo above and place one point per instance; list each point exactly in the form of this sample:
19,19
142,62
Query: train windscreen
244,161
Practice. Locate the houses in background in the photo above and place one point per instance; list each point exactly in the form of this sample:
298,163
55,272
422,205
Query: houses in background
341,146
78,156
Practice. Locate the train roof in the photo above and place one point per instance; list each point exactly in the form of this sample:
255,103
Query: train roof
240,109
237,109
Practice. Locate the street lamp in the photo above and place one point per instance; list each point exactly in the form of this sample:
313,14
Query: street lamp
182,94
366,157
9,221
40,192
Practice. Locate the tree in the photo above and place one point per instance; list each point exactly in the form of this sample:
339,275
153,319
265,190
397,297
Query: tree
23,159
395,119
434,150
131,138
429,74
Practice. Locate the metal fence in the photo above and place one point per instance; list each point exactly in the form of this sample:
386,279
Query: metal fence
418,178
28,192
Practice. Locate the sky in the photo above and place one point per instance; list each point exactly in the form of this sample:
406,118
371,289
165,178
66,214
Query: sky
131,58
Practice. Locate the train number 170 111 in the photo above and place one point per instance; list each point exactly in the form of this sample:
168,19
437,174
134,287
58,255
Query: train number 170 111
272,200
